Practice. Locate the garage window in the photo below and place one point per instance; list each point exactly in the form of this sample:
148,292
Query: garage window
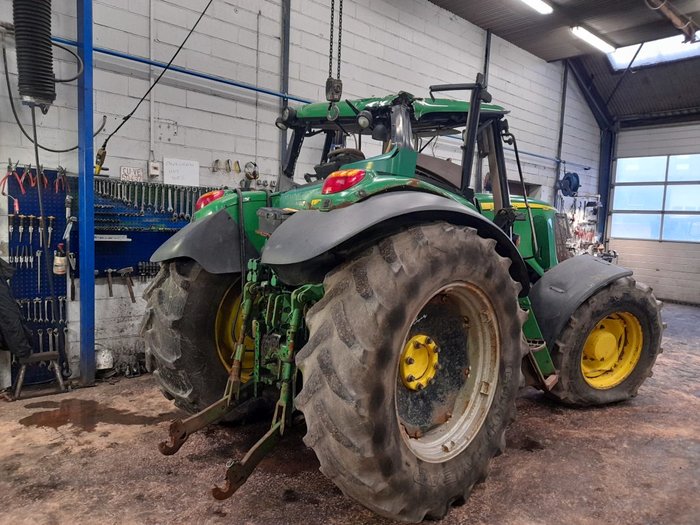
657,198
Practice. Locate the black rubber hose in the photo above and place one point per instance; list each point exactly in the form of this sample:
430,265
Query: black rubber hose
19,122
32,19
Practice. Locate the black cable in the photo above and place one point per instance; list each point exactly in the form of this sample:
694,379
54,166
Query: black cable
14,112
127,117
45,241
81,66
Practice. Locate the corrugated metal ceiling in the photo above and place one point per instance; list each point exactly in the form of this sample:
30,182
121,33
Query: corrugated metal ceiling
645,93
621,22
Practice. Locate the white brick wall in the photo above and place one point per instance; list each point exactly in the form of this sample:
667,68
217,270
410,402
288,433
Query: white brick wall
388,45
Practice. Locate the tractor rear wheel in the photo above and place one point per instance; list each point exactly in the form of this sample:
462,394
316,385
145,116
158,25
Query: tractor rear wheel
609,345
411,370
189,327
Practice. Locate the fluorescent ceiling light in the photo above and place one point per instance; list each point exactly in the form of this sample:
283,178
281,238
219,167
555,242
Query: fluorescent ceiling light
655,52
590,38
541,7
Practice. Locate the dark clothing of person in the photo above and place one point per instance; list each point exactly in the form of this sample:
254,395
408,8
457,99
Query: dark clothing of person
14,334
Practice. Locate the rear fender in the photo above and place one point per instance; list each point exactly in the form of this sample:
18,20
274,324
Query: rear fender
562,289
212,241
310,243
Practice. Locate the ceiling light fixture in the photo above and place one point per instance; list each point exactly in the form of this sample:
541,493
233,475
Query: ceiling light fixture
590,38
541,7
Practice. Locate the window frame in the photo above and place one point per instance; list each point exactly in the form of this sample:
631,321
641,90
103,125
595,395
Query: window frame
663,212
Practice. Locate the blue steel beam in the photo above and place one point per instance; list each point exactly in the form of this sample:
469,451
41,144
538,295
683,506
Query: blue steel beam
86,201
185,71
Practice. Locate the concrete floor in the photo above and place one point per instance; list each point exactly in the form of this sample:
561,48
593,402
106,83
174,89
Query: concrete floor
90,456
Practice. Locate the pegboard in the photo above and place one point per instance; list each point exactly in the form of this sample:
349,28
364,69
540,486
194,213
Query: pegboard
30,281
25,282
137,216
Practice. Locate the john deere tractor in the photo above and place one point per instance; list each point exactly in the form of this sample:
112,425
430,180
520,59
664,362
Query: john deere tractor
399,311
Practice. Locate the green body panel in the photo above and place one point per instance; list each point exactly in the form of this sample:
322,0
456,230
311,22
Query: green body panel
538,348
421,107
543,215
393,170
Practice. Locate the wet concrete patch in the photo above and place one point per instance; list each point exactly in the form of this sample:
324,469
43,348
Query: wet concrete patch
84,414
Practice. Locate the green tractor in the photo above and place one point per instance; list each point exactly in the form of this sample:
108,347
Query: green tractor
393,306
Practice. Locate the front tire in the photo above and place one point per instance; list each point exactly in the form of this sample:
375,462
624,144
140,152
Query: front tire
407,442
609,346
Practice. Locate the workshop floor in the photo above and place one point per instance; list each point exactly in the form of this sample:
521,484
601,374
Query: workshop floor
90,456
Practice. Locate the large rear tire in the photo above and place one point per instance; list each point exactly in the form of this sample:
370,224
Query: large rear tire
411,370
609,346
179,330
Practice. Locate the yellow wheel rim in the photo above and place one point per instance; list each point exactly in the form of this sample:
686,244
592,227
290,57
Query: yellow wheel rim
419,362
612,350
229,321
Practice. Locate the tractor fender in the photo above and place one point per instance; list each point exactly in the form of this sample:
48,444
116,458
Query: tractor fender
561,290
310,243
212,241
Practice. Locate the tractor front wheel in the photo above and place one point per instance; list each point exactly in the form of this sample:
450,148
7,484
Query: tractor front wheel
411,370
609,345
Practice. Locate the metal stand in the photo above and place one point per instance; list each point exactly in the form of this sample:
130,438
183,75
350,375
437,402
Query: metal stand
52,358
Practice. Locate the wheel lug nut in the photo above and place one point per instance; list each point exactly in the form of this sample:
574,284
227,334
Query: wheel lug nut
410,361
428,341
410,378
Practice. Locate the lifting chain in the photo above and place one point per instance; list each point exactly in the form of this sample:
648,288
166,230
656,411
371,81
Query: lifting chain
334,86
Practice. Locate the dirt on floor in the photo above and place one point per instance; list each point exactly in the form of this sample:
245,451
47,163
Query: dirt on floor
90,456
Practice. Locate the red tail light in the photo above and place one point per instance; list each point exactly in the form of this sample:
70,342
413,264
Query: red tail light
208,198
342,180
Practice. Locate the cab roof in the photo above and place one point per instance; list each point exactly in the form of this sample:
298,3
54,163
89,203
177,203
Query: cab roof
439,111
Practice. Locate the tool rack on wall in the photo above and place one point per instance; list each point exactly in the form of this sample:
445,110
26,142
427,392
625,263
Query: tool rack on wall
132,219
30,282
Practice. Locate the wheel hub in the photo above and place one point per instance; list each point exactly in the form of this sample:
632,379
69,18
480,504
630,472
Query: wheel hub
419,362
612,350
447,372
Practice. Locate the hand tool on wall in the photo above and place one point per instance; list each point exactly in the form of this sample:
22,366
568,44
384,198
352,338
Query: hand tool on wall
46,309
38,270
126,277
37,310
61,308
41,228
30,229
51,218
11,223
72,265
150,194
40,333
21,227
143,200
109,272
162,199
170,200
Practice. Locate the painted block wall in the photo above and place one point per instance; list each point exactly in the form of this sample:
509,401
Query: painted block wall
388,45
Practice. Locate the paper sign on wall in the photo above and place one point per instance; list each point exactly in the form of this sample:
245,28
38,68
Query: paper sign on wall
181,172
131,174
